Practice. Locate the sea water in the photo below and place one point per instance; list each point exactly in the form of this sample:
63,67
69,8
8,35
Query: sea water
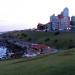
3,51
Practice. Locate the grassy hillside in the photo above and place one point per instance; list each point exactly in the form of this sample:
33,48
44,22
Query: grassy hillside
62,40
58,64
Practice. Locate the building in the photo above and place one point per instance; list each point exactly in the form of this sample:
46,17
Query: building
64,22
73,18
41,27
61,22
54,22
44,27
49,26
73,22
66,12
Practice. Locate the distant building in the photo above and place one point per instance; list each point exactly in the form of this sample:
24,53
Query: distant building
62,21
66,12
41,27
54,22
73,22
49,26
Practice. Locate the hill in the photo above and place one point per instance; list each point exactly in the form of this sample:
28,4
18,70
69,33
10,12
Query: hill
57,64
60,40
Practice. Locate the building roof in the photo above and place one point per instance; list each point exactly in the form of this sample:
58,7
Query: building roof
39,46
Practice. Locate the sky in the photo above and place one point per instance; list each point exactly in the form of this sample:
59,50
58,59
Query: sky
26,14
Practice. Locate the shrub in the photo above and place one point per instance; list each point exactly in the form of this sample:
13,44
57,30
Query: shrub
57,33
29,39
55,41
47,39
24,35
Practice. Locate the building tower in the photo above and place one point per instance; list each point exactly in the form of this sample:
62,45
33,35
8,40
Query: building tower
66,12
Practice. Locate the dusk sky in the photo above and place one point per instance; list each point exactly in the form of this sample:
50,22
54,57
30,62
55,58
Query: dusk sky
24,14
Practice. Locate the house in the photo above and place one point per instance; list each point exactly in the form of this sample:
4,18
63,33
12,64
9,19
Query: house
40,48
36,49
41,27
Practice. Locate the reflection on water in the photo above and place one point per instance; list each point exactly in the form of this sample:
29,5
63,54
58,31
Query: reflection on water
3,51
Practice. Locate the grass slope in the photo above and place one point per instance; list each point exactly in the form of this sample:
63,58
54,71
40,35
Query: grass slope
62,40
58,64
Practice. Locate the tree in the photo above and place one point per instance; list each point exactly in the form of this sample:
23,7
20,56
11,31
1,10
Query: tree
55,41
24,35
57,33
29,39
